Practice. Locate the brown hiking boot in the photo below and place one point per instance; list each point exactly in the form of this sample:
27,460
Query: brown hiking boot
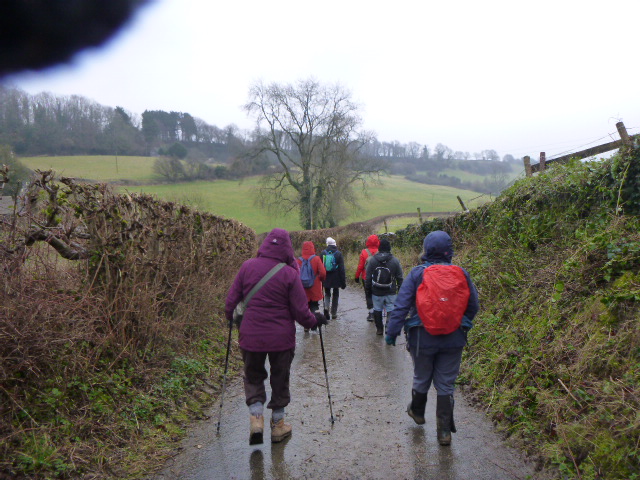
280,431
256,429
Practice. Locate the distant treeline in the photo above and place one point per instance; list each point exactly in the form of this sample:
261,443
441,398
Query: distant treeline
47,124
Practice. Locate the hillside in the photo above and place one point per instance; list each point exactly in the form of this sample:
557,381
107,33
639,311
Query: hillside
235,198
554,356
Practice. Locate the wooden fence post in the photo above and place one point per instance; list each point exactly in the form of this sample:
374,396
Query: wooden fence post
622,131
464,207
543,161
419,215
386,229
527,165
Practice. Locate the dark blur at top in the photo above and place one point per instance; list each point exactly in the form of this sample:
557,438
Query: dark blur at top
36,34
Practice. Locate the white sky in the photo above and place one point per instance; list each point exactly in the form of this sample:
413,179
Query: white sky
517,77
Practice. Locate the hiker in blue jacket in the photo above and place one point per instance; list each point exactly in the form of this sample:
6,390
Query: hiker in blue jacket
436,358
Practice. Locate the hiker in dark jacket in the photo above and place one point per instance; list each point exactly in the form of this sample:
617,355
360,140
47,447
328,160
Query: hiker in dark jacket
371,249
336,276
383,279
436,358
268,330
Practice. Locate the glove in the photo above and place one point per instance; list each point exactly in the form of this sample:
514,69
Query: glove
357,279
390,340
320,320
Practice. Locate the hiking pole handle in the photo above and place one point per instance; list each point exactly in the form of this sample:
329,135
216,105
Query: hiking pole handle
326,375
224,378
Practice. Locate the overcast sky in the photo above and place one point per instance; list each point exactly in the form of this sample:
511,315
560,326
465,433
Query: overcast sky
511,76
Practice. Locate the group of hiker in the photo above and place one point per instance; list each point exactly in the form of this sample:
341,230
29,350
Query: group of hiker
435,306
322,277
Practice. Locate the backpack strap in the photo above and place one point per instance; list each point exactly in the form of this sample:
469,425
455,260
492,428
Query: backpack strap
262,281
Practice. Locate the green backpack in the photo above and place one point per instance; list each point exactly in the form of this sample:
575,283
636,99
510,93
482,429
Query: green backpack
330,263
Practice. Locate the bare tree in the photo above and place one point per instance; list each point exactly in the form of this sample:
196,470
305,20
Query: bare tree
311,130
490,155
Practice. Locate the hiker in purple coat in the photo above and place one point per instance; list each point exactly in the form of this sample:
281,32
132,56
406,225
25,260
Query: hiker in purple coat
268,329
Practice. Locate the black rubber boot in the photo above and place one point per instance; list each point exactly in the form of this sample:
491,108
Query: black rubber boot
377,317
416,407
444,419
334,309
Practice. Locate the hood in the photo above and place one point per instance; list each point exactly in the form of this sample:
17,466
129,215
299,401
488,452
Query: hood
373,241
277,245
438,247
383,256
308,249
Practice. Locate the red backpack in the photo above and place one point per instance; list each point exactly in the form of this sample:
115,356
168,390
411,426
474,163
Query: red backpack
442,298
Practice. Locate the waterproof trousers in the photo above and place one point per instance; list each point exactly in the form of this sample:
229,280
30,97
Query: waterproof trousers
331,297
437,366
367,296
255,374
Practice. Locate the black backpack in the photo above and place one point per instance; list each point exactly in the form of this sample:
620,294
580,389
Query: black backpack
382,277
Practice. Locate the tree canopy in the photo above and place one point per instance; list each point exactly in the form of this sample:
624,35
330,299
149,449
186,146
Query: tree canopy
312,131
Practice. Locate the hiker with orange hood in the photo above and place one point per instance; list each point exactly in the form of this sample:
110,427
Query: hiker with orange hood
372,244
312,274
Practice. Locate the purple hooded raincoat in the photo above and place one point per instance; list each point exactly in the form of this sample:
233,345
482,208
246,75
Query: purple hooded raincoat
268,323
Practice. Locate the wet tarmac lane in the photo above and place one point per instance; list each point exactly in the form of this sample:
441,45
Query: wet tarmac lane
372,436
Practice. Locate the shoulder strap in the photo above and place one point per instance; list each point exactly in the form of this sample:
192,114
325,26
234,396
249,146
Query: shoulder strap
262,281
368,252
425,265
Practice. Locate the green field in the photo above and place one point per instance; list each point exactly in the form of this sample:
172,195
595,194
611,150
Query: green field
102,168
235,198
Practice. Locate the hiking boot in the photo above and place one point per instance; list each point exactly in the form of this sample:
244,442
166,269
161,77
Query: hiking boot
279,431
416,407
334,316
256,429
444,419
370,317
377,316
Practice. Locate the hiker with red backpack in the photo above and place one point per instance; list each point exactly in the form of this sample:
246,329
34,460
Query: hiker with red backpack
312,275
383,280
267,329
436,306
372,244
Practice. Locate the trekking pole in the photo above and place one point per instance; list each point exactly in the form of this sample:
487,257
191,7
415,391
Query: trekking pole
224,378
326,376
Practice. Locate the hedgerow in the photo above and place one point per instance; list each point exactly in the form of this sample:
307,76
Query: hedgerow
554,356
111,328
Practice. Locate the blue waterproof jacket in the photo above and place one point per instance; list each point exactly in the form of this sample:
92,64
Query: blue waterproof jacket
438,248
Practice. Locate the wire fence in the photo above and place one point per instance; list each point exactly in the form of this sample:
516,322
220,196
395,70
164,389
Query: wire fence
625,139
579,152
